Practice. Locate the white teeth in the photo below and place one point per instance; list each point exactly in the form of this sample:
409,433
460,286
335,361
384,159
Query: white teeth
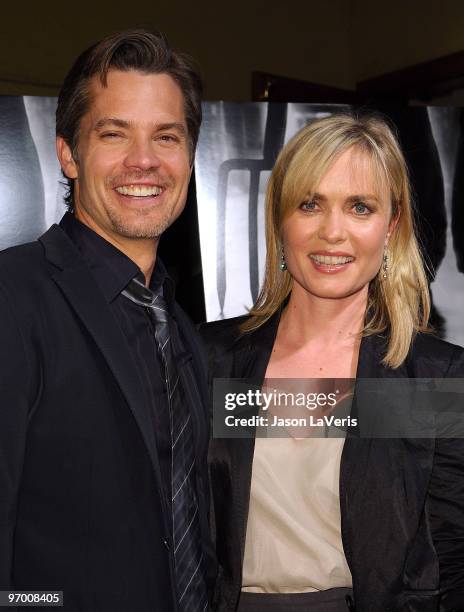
139,190
331,259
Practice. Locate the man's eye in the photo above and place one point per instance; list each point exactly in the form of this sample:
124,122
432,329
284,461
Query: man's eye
361,209
110,135
168,138
308,206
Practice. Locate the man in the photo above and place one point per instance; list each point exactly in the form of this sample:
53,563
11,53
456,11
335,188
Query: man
103,428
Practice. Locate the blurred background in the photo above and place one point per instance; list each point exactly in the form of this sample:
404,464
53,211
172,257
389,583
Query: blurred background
340,43
268,69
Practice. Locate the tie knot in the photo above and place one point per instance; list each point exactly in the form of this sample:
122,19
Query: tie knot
143,296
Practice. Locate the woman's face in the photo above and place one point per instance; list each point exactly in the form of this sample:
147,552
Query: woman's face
334,241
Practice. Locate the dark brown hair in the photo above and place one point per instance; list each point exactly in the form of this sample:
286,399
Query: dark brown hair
137,49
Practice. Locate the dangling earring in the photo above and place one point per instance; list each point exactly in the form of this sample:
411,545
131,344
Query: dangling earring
385,262
283,264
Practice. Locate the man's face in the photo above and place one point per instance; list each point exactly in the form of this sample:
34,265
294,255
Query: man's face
132,168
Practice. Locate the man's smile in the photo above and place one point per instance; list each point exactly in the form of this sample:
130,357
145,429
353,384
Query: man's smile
139,190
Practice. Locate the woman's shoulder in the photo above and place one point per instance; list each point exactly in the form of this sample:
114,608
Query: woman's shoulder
223,340
222,333
433,356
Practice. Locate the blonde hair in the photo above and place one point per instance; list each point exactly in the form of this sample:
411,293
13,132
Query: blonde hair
399,304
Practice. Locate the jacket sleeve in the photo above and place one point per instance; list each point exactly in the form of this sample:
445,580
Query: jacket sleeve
14,408
446,501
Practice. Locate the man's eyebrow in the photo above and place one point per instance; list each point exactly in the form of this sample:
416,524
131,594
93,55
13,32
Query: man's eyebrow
111,121
175,125
122,123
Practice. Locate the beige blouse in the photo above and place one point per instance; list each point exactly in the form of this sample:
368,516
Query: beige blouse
293,540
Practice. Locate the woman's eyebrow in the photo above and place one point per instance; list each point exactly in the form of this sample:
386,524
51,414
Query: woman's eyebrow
366,196
352,198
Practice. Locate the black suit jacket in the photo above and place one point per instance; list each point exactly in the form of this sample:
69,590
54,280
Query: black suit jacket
81,508
402,500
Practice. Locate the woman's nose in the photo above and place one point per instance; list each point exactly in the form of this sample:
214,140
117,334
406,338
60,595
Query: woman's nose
332,227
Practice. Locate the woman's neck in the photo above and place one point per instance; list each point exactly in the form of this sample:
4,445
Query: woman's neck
309,318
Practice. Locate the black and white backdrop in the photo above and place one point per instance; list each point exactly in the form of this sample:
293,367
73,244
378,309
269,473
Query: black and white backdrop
237,148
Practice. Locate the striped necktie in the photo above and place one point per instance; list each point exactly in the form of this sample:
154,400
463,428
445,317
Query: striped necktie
188,554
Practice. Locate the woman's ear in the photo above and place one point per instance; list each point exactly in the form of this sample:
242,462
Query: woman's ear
392,225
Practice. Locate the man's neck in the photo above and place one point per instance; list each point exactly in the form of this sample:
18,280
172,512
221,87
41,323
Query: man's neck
144,256
140,250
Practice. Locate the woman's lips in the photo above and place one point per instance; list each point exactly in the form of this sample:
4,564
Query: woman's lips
330,264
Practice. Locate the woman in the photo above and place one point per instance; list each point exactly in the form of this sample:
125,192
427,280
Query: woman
332,524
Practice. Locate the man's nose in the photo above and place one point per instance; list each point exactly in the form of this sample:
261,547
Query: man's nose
332,227
142,154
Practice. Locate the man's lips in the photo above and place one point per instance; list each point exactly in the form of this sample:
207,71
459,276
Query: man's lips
139,190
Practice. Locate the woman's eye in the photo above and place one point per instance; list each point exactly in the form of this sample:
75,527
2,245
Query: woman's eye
361,209
308,206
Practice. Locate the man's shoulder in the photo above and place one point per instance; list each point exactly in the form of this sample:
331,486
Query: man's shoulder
20,263
23,280
27,268
21,253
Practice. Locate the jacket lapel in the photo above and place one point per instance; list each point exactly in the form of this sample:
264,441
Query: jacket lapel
356,451
250,356
382,491
82,293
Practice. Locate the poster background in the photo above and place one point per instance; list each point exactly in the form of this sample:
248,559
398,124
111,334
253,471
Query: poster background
237,148
234,144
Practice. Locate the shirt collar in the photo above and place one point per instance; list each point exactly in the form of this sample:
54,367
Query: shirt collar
112,269
160,277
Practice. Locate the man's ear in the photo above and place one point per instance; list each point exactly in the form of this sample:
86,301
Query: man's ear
65,157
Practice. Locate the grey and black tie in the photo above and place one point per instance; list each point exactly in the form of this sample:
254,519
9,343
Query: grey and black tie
188,555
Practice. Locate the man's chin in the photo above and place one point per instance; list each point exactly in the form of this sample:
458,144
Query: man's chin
140,233
140,229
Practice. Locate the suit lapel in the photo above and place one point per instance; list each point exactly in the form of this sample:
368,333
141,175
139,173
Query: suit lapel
382,490
357,451
82,293
250,357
